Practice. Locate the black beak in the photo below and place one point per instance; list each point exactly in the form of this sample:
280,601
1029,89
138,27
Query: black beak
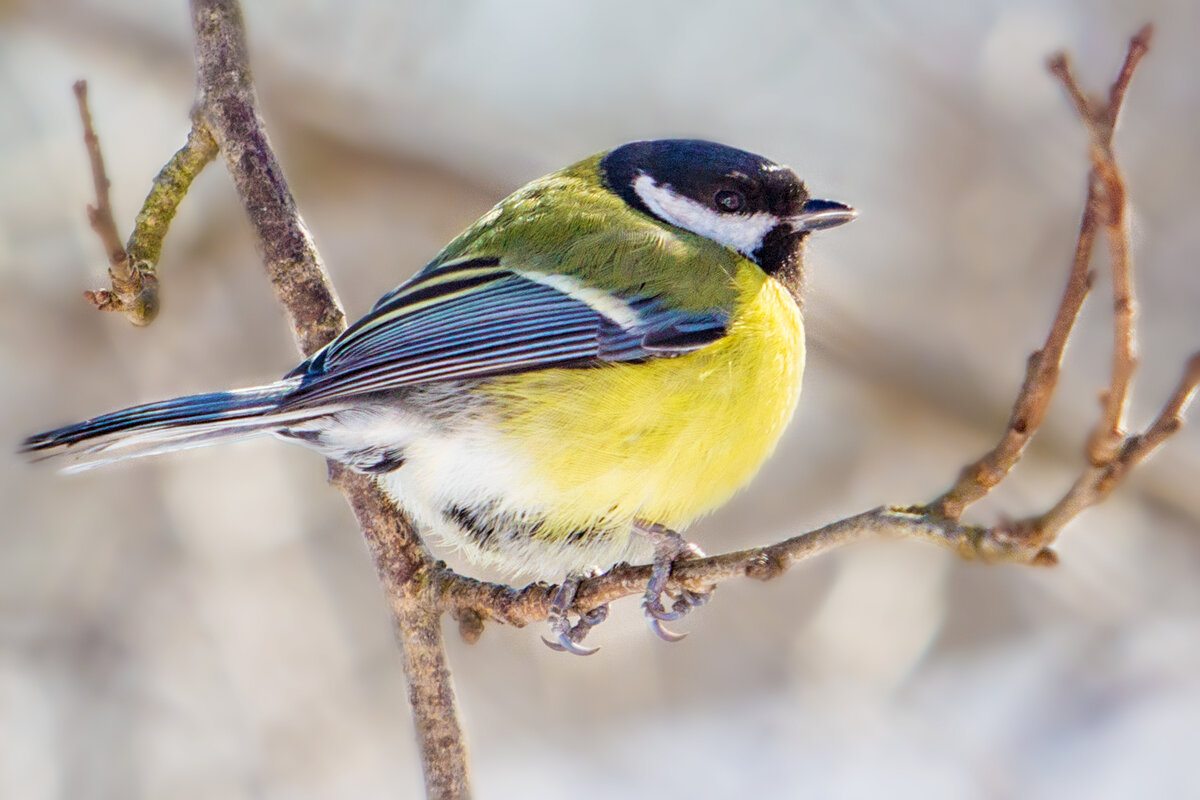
817,215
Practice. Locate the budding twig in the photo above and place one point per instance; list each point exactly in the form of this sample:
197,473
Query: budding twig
132,268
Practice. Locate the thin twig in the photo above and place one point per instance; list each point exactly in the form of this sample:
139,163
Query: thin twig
1041,379
132,267
1104,206
1100,119
168,190
101,215
131,292
472,602
1099,480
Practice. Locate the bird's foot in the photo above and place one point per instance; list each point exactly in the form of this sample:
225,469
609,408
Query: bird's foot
567,637
669,547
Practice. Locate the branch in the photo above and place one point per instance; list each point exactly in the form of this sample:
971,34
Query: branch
168,190
100,215
1104,205
473,602
404,568
133,267
1100,479
227,107
1110,454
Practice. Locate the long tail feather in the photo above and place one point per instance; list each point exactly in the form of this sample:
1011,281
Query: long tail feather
175,424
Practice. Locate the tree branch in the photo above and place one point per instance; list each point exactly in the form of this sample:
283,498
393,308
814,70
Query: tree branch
226,105
166,193
473,602
101,215
1104,205
404,568
132,268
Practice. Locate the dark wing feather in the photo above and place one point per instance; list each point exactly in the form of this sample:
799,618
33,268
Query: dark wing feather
475,318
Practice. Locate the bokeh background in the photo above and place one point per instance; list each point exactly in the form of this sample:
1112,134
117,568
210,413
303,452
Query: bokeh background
208,625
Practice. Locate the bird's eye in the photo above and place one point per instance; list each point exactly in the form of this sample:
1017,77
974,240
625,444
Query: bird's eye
729,201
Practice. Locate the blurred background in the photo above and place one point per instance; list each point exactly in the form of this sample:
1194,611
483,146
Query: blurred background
208,625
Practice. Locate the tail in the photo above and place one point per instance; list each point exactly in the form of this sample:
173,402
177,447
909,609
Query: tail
152,428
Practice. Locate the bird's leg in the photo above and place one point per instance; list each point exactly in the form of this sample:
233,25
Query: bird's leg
567,636
669,547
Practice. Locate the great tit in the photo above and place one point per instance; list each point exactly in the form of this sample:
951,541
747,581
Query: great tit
607,351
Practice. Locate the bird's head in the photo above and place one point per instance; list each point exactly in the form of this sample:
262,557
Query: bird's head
735,198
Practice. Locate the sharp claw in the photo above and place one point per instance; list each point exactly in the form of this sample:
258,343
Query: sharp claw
566,637
565,645
669,547
656,612
665,634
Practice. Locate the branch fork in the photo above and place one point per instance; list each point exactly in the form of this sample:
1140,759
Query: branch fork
133,266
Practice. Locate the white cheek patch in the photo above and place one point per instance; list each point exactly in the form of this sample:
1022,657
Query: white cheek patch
742,232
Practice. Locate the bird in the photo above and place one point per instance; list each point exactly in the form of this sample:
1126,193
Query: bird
606,355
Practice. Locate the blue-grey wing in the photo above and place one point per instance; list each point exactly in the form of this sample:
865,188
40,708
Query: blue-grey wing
477,318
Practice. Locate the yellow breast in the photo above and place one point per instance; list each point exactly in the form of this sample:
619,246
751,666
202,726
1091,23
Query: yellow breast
666,440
